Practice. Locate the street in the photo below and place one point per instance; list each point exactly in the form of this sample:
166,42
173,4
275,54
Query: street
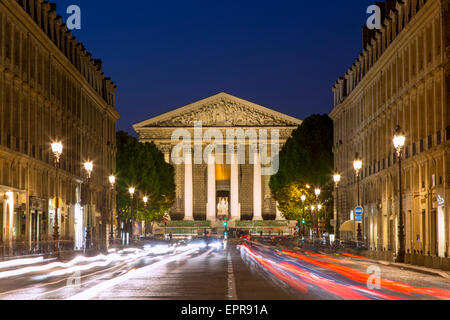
250,271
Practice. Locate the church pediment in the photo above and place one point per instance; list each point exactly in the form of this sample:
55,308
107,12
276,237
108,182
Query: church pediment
221,110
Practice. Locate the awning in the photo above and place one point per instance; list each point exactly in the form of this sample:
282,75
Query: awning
348,226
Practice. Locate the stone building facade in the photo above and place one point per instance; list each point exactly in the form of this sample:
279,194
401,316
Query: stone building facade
401,78
51,89
228,182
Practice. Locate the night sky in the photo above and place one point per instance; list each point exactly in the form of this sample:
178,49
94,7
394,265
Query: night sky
284,55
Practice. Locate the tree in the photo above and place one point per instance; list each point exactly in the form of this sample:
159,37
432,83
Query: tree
142,166
306,159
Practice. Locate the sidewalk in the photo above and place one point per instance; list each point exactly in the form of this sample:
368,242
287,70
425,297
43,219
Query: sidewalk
410,267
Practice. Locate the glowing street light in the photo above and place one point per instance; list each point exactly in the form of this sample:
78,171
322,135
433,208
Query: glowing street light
131,190
357,165
89,167
112,181
317,192
145,199
303,198
337,178
57,149
399,142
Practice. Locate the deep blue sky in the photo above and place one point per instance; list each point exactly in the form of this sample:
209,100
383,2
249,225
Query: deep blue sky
284,55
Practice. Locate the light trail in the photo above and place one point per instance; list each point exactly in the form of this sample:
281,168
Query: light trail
362,277
20,262
95,290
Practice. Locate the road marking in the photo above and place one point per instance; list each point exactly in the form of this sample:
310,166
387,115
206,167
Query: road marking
231,281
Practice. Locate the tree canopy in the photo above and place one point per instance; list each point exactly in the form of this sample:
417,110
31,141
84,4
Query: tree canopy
142,166
306,159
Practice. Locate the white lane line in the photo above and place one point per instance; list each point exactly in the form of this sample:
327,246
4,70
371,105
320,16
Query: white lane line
232,293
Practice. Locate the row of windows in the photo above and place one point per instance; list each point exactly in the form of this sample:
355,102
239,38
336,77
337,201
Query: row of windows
422,49
28,126
44,15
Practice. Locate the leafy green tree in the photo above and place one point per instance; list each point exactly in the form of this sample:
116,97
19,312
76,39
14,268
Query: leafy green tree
306,159
142,166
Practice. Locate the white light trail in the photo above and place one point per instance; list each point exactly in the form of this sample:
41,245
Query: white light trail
94,291
20,262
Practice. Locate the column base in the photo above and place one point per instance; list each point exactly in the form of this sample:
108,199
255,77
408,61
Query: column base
258,219
188,219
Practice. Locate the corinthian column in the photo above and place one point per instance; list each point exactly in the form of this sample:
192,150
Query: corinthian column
257,209
234,188
188,194
211,209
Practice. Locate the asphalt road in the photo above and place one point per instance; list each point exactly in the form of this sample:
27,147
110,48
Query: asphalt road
195,272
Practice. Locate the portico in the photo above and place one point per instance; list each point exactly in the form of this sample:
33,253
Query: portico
224,150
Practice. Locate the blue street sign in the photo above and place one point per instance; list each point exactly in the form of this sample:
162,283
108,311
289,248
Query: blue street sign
358,218
359,211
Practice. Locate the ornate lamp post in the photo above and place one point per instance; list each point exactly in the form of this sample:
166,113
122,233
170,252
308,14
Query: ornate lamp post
312,217
319,207
57,149
399,142
303,198
357,165
145,199
337,179
88,167
112,181
317,193
131,190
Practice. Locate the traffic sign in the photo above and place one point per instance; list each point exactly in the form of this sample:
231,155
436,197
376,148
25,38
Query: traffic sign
358,218
359,211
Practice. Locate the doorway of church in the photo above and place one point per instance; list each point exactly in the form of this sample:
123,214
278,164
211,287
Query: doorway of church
223,201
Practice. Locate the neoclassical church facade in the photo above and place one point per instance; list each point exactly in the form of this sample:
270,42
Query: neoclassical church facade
224,150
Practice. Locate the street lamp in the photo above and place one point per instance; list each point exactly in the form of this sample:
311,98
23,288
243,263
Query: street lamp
357,165
112,181
337,179
145,199
88,167
399,142
131,190
303,198
57,149
317,192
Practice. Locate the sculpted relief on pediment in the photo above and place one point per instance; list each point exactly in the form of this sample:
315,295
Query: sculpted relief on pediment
224,113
